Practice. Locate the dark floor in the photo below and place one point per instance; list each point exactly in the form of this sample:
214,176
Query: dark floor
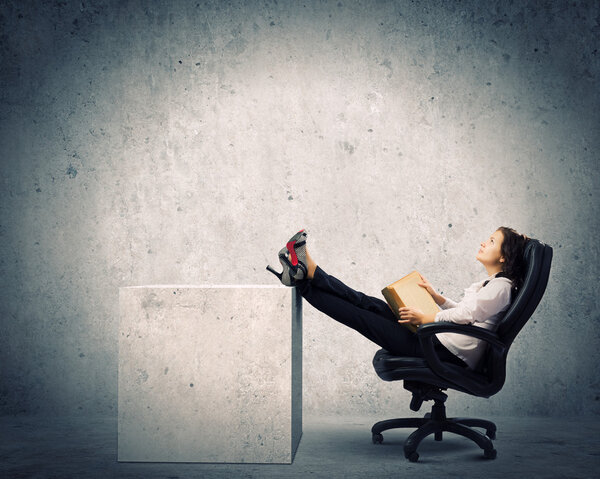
33,447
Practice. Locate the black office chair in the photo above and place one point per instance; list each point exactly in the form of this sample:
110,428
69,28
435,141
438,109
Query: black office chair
427,377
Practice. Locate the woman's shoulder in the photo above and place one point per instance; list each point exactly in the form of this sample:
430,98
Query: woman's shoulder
493,279
494,284
498,287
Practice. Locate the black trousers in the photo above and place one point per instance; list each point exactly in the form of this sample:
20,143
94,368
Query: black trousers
370,316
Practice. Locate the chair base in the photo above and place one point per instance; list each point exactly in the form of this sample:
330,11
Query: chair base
435,423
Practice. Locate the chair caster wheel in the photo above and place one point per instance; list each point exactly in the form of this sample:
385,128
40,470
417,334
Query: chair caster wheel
377,438
490,453
413,456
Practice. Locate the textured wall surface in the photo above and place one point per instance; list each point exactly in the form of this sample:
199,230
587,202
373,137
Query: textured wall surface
185,142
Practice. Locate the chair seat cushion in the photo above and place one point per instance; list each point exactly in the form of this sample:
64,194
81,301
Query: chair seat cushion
394,368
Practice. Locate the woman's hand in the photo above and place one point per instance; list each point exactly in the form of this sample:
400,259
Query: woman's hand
415,316
425,284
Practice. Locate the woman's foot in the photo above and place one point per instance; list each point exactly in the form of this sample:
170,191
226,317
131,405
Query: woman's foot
311,265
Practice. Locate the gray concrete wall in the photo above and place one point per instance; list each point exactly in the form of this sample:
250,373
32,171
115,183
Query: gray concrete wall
185,142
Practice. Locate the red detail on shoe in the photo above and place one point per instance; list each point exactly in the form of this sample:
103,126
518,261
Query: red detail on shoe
290,247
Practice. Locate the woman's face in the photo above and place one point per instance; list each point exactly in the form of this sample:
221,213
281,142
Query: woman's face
489,254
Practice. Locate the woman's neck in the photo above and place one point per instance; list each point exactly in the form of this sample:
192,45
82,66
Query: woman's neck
493,270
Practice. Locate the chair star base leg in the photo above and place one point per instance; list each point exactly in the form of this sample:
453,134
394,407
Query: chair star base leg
435,423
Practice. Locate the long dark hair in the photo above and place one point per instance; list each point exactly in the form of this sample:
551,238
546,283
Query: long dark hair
512,249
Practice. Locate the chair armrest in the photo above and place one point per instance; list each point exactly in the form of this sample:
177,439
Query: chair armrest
429,329
451,372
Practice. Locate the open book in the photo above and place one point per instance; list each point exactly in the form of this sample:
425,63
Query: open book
407,292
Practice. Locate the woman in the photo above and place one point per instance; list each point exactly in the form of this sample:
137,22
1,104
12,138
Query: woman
484,302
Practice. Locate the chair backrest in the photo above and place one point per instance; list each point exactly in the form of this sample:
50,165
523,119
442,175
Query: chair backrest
538,258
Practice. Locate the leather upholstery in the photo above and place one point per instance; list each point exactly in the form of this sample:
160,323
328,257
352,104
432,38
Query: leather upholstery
490,374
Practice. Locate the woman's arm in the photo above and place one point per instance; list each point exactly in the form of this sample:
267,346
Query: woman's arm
447,303
444,303
416,316
478,306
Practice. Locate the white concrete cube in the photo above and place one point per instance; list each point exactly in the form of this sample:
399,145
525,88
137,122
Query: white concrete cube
209,373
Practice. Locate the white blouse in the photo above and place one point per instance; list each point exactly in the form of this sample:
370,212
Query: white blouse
480,306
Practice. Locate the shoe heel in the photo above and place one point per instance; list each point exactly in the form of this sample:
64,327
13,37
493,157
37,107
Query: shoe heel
279,275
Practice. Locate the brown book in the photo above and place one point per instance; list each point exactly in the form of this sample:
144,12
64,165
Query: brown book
407,292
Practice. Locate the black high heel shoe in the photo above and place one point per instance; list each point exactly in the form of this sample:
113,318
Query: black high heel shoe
296,269
291,273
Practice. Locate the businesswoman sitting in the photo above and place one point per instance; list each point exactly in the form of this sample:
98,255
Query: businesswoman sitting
483,304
